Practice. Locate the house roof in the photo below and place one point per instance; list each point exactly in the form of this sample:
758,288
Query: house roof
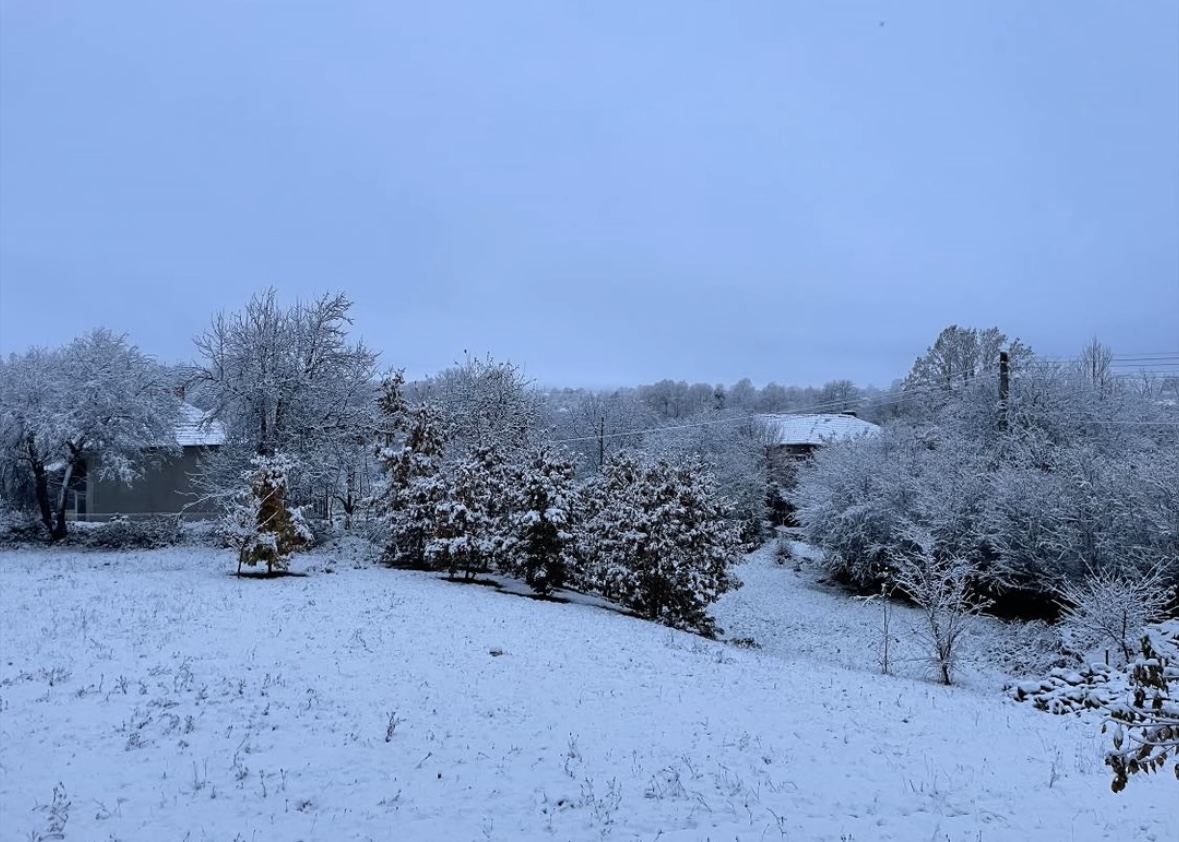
197,429
818,429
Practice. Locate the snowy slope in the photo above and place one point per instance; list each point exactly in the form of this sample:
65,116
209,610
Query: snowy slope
172,701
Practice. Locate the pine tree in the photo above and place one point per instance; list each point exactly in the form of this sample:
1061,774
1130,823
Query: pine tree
657,538
258,523
543,504
410,454
470,533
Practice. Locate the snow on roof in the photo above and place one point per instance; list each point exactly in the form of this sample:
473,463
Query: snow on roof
818,429
196,429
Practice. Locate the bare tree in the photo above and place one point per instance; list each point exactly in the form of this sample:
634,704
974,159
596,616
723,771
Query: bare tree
940,585
742,395
287,378
600,425
840,396
1096,365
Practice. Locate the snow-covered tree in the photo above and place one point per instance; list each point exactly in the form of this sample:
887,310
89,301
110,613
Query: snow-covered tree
410,454
742,395
1113,608
839,396
543,510
596,425
773,398
733,447
960,356
1066,476
852,499
471,516
97,405
258,523
285,378
487,414
940,584
656,537
1096,365
484,402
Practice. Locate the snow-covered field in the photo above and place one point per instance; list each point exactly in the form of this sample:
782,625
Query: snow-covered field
166,700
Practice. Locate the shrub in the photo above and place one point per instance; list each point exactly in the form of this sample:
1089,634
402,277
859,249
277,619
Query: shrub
18,528
1112,608
122,533
940,585
1146,726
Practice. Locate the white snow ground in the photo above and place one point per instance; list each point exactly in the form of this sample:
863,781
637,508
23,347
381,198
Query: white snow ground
171,701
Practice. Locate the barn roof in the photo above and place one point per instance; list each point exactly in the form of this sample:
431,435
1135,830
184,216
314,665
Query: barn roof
196,429
818,429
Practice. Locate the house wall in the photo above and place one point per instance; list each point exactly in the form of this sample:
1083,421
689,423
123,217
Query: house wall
164,490
782,464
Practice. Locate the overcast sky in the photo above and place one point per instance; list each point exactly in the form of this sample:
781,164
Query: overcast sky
607,192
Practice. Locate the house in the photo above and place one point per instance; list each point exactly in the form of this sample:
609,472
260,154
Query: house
798,436
165,489
790,439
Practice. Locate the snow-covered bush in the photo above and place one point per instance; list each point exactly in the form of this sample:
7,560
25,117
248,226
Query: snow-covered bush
851,501
656,537
18,527
784,549
258,523
1069,474
1028,648
1112,608
941,587
1146,720
122,533
1137,700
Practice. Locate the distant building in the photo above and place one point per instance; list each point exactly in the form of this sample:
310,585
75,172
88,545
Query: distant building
791,439
165,489
799,436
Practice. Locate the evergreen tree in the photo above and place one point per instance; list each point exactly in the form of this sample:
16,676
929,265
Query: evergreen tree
259,524
657,538
410,454
470,515
543,504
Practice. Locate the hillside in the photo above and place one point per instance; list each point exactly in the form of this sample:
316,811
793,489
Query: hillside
171,701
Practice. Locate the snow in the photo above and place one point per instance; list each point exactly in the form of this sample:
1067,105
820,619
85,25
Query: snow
816,429
173,701
196,429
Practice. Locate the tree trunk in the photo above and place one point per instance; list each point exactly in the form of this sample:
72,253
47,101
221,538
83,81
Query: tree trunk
59,527
41,480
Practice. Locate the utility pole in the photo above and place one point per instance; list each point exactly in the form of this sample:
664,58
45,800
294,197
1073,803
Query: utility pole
1004,387
601,442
